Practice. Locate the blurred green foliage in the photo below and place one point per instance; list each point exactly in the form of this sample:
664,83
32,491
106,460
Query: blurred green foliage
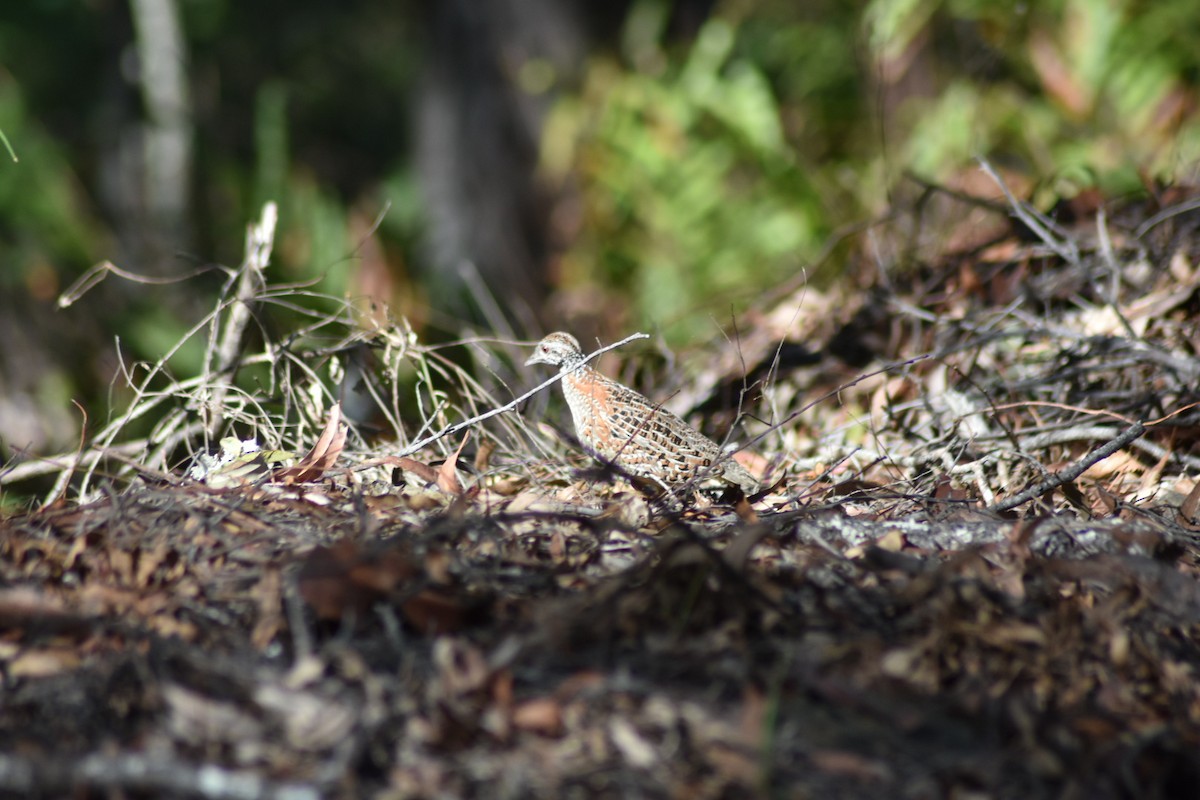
711,171
1103,88
691,188
44,216
708,166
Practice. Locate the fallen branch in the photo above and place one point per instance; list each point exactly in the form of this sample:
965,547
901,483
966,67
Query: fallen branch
140,774
47,465
224,350
1066,249
1065,476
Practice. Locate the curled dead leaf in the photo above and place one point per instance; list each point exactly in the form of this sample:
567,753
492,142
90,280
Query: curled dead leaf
447,479
348,578
322,456
1190,508
541,715
341,578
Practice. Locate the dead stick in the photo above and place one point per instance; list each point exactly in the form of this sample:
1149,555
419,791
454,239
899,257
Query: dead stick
458,426
1066,249
260,239
1134,431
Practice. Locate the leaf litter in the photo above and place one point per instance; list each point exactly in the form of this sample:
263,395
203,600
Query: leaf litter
973,574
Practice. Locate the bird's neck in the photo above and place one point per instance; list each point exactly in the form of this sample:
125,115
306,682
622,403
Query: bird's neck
576,365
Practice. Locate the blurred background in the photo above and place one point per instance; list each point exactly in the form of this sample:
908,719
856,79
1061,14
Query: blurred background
513,166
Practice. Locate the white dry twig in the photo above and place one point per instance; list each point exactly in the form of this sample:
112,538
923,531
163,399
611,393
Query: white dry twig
449,430
1066,249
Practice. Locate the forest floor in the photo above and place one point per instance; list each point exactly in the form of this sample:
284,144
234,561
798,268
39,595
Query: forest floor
974,571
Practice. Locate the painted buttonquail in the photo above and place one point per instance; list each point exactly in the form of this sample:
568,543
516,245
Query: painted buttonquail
620,426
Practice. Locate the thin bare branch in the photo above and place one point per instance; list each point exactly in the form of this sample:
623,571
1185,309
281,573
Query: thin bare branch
1069,474
1066,248
509,406
223,353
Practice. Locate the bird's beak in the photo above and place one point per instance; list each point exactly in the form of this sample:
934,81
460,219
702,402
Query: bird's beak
533,359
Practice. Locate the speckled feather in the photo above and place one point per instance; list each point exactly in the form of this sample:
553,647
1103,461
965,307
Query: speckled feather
620,426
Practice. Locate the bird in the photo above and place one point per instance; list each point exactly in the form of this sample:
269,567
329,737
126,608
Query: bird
620,426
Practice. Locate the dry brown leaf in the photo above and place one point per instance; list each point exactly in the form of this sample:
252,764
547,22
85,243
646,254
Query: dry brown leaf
1190,508
322,456
541,715
558,547
435,611
484,454
579,683
170,625
507,487
425,500
43,662
745,511
19,603
733,763
1014,633
336,579
268,596
437,566
751,725
845,762
1102,502
944,491
893,540
447,479
525,501
346,577
121,563
422,471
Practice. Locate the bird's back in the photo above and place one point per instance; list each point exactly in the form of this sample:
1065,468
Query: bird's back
623,427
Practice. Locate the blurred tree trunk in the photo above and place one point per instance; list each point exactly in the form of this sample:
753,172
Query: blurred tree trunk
152,198
477,145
